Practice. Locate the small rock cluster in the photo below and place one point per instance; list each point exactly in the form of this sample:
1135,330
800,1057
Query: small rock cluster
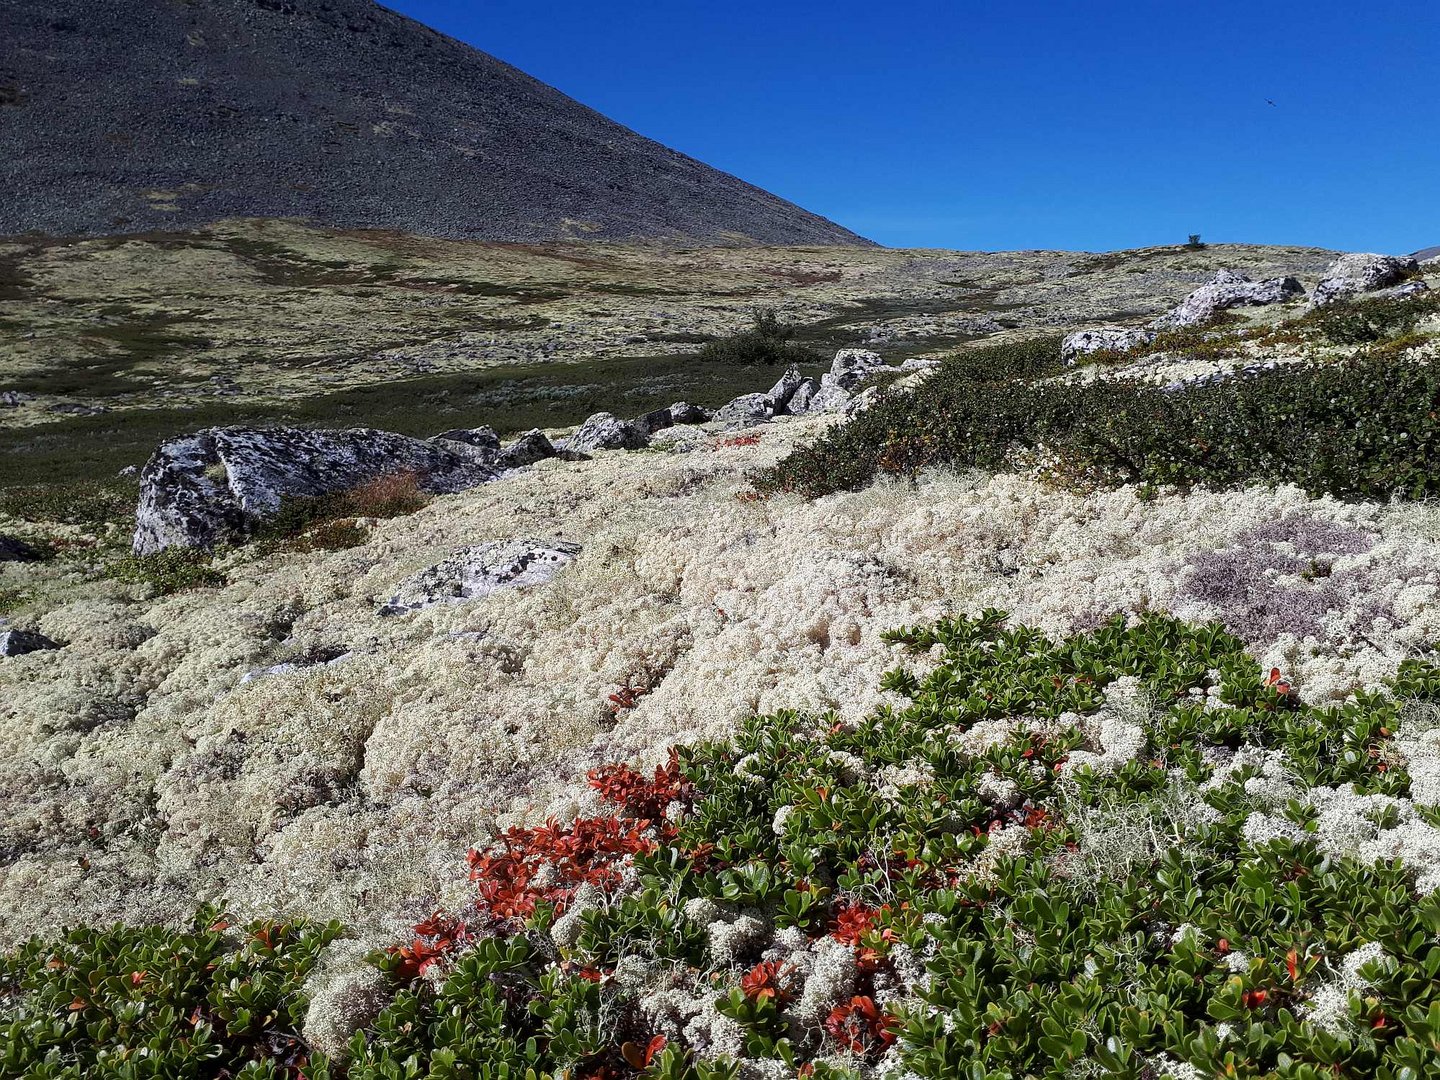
217,485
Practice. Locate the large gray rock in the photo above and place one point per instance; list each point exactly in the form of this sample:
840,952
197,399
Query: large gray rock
1103,339
481,438
832,395
848,361
802,400
1399,292
20,642
478,571
1228,289
657,420
745,411
15,550
605,431
216,485
682,412
1363,272
781,393
534,445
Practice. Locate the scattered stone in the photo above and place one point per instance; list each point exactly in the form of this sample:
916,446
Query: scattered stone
682,412
1103,339
920,363
129,470
534,445
854,360
831,397
20,642
1400,292
781,393
651,422
1228,289
216,485
1361,273
482,438
802,401
320,658
13,399
16,550
745,411
478,571
604,431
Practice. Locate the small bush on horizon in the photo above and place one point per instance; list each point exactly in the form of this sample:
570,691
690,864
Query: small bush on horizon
768,342
1193,243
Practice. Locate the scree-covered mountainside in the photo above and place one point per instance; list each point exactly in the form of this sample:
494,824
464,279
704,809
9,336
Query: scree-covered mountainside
121,116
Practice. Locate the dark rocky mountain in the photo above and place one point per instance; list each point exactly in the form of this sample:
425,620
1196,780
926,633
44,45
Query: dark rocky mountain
141,115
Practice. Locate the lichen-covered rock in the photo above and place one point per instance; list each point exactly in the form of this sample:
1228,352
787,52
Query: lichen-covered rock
605,431
653,421
1401,291
802,400
527,449
1228,289
781,393
745,410
920,363
1361,272
855,361
16,550
481,438
216,485
682,412
478,571
832,395
20,642
1103,339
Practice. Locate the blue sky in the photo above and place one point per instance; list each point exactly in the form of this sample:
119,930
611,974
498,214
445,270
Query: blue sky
998,125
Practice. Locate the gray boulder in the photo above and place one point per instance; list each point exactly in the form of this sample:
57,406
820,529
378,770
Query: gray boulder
781,393
1400,292
20,642
534,445
651,422
15,550
1364,272
1103,339
745,410
216,485
682,412
849,361
604,431
803,399
920,363
832,395
13,399
481,438
1228,289
478,571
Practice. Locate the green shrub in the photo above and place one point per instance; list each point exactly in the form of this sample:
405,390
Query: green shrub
1193,243
173,570
92,503
768,342
1360,321
131,1002
1363,428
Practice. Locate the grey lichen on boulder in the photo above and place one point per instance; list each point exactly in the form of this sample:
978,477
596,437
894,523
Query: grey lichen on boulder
476,572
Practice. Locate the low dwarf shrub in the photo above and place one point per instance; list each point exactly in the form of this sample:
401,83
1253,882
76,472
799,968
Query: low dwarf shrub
768,342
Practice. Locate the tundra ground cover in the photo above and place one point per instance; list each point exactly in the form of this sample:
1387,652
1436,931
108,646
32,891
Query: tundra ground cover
1130,852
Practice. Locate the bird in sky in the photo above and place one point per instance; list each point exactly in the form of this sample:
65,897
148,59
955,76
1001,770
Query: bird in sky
1269,102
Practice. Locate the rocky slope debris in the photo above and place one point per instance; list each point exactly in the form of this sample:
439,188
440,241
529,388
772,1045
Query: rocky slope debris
336,111
1363,272
215,486
479,571
1228,289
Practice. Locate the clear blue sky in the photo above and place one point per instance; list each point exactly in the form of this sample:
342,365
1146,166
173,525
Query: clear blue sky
1092,124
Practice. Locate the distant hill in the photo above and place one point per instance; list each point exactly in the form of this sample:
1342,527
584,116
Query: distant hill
139,115
1427,253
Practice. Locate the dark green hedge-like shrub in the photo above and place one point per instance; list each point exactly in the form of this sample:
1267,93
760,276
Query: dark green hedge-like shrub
1365,427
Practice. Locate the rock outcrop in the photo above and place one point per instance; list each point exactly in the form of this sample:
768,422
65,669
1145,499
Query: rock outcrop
1103,339
16,550
478,571
1228,289
1362,272
605,431
534,445
20,642
217,485
745,411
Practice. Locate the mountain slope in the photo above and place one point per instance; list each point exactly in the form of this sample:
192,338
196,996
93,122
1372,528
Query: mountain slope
134,115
